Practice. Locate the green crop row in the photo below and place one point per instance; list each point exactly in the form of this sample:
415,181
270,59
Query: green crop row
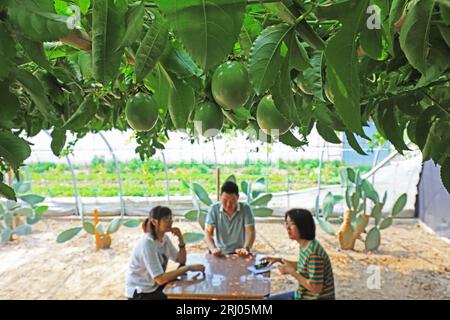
148,178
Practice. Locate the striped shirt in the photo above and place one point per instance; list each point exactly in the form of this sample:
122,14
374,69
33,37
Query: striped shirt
315,265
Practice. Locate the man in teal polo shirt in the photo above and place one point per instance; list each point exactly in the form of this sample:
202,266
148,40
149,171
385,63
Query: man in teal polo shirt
231,223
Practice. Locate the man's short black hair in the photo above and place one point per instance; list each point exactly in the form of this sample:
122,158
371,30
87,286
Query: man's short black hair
304,221
230,187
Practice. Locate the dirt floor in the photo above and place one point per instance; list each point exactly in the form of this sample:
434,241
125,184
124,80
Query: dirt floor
411,263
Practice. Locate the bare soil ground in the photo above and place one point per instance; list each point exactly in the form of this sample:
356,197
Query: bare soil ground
411,263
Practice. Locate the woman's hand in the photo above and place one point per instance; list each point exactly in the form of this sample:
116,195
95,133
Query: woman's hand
177,233
287,268
271,260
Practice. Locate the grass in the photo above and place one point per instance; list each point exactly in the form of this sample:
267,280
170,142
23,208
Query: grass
149,178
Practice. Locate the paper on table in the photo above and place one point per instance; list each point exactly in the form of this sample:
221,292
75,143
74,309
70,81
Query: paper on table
252,269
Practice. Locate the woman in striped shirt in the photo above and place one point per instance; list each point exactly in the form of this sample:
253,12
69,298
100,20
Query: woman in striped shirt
313,270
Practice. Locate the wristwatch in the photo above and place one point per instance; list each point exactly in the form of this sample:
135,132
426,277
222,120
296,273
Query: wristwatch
248,249
181,246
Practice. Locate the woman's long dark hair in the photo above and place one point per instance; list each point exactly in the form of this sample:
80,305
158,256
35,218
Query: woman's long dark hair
157,213
304,221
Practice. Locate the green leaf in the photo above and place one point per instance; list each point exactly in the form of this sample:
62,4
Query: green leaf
250,30
10,103
37,93
290,140
445,12
7,192
191,215
216,29
82,116
265,58
68,234
37,20
193,237
151,47
132,223
13,150
22,230
160,83
387,222
35,51
326,226
181,103
135,21
58,141
32,199
354,143
399,204
7,52
327,133
437,60
114,226
298,57
445,33
262,212
201,194
372,43
342,62
176,60
373,239
108,29
262,200
282,93
312,76
445,174
415,32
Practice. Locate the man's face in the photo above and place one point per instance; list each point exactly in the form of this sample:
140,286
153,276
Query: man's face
229,202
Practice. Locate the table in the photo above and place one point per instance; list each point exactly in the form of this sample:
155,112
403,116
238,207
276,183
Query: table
225,278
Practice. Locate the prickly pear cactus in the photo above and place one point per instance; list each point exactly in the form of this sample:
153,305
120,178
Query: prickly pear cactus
363,202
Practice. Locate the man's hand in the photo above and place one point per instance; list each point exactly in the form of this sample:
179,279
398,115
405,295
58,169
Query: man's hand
242,252
217,252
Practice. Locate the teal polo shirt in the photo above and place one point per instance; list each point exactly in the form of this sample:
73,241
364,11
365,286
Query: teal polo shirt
229,232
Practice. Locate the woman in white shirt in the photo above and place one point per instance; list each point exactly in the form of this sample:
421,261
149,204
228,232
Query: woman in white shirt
147,274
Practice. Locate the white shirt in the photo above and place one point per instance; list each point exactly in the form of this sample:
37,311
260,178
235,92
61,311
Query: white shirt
149,260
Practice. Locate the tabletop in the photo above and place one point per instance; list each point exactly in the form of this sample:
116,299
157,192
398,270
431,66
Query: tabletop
225,277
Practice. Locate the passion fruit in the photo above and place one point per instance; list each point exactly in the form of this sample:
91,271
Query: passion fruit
142,112
270,119
230,85
208,119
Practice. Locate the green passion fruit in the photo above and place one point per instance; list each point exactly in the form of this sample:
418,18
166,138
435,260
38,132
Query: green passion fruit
270,119
208,119
230,85
142,112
